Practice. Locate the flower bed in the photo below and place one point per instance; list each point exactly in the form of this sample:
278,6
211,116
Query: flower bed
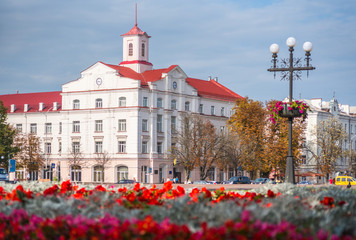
283,211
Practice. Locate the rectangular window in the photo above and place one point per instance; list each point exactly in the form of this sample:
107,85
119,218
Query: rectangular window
48,128
76,104
33,128
145,101
60,127
122,125
48,148
144,125
173,124
186,106
122,102
144,147
98,125
159,103
76,126
159,148
59,147
98,147
99,103
201,108
212,110
222,112
75,147
19,127
122,147
159,123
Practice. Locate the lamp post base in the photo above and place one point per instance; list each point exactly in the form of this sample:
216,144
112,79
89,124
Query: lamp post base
290,170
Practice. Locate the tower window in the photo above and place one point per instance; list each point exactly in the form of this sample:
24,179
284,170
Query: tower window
143,50
130,49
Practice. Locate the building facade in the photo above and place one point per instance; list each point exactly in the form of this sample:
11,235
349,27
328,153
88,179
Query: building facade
321,111
117,121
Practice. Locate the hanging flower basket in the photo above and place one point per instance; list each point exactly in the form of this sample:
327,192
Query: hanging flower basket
288,110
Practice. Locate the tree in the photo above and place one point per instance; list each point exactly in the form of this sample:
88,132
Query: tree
76,161
232,152
102,160
328,138
197,145
7,134
276,142
248,121
29,155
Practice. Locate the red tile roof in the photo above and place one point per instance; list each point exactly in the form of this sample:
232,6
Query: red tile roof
212,89
135,31
209,89
33,100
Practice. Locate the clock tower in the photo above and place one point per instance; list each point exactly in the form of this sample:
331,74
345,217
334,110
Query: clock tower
136,49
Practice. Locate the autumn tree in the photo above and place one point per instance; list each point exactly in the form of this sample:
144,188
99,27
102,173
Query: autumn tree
102,160
232,152
197,145
277,142
248,121
30,155
7,135
327,137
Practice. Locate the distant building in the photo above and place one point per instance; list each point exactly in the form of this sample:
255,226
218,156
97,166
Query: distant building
129,111
321,111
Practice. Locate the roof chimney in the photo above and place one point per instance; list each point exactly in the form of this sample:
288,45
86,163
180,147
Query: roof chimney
25,108
55,106
209,78
216,79
13,108
41,106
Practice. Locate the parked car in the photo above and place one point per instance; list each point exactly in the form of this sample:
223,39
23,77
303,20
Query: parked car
345,180
260,181
240,180
4,176
213,182
126,181
305,183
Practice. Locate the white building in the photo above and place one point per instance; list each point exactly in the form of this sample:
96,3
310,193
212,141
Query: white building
127,111
321,111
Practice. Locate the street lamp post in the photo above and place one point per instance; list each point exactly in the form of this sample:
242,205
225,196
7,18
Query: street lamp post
291,68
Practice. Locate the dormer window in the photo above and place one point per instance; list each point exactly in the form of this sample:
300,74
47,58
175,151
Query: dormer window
143,50
130,49
76,104
98,103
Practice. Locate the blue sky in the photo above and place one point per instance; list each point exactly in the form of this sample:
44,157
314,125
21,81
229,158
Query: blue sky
44,44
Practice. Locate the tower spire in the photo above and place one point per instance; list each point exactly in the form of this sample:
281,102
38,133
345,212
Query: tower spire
136,15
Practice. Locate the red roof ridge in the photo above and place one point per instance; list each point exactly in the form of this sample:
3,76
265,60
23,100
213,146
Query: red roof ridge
225,88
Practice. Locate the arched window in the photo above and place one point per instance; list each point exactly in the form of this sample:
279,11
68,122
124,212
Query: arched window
173,104
130,49
76,173
76,104
122,172
143,50
98,103
122,102
98,173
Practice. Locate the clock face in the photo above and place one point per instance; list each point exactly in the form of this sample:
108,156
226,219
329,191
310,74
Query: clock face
99,81
174,85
